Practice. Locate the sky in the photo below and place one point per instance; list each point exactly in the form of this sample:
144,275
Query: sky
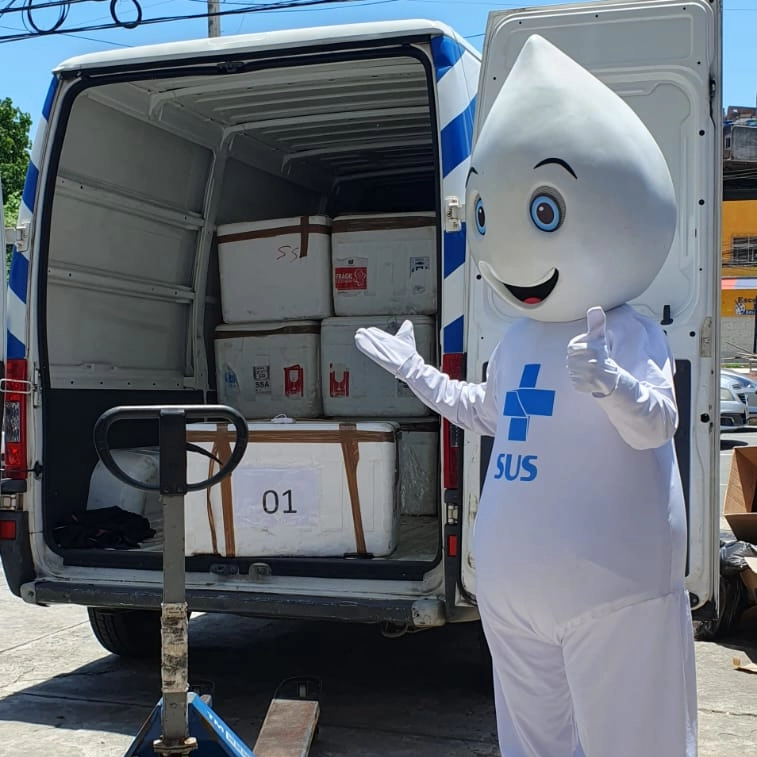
25,65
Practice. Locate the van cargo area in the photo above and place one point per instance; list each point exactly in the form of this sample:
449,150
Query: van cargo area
194,215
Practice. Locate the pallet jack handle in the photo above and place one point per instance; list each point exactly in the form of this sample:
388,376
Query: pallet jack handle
175,740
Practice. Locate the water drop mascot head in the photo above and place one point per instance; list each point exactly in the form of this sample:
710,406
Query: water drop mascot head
580,534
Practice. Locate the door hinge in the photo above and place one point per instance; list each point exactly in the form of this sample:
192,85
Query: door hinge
705,338
19,237
454,214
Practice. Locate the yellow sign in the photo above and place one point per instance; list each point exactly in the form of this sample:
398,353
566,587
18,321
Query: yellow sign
735,302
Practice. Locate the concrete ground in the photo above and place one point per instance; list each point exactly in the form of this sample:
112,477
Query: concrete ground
419,696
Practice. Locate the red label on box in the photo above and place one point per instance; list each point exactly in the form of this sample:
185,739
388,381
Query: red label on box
294,381
351,279
339,381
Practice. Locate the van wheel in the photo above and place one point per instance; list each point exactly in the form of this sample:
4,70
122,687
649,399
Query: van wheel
127,633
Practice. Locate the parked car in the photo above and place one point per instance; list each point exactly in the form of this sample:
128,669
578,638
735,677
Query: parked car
744,386
733,410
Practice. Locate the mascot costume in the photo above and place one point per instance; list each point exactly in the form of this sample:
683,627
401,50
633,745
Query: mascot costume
580,535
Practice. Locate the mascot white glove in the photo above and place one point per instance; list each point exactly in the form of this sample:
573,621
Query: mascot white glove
590,367
466,405
391,352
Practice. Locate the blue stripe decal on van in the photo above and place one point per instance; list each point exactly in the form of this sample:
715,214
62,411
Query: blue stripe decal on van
446,52
19,275
14,348
452,339
52,89
454,250
457,136
30,186
18,279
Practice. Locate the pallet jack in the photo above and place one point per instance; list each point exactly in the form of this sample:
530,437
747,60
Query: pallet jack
183,723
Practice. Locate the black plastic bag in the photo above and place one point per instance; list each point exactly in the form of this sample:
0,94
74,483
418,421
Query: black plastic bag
105,528
732,554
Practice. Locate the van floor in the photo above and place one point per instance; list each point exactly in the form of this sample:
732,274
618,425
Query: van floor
418,538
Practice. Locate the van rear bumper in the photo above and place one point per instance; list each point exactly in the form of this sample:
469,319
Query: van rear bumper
420,613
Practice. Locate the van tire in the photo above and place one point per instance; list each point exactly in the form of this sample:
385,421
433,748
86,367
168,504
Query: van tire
127,633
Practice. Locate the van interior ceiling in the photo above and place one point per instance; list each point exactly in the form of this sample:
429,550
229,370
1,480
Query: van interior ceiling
150,164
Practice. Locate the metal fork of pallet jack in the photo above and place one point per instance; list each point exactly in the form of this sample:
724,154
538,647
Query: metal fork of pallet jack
175,739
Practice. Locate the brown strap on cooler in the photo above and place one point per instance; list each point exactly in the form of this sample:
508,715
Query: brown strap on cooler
209,506
222,450
351,453
304,235
366,223
304,229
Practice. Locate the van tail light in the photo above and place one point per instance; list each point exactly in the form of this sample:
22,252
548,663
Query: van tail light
452,365
16,391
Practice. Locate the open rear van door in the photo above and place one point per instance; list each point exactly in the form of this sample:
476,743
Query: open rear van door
4,241
664,59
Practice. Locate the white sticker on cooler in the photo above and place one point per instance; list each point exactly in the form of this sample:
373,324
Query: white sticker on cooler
262,376
420,274
275,497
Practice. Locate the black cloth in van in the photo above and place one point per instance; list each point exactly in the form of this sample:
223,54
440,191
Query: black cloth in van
106,528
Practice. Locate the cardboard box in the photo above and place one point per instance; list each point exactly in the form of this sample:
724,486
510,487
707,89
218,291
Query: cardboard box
740,494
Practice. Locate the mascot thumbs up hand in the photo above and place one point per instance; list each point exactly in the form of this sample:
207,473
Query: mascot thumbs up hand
590,367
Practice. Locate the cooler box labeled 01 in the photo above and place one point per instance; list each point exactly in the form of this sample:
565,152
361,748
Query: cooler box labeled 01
304,489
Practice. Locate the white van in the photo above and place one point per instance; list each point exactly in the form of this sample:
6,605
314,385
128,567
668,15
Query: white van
156,166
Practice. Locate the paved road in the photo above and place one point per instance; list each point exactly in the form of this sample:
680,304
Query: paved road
419,696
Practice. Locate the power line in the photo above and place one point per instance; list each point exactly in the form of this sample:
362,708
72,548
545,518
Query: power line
119,21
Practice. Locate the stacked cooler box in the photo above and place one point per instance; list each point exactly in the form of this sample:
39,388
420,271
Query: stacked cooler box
385,271
342,447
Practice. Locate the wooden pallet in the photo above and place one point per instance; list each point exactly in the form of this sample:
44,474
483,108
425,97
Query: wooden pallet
288,729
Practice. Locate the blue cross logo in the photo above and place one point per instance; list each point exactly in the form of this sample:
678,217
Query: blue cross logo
525,401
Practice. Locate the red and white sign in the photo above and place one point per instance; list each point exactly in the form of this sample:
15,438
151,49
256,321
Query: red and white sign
351,278
294,381
339,380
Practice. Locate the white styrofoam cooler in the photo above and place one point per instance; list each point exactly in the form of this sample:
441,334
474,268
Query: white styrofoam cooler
384,263
307,489
353,385
105,490
419,467
277,269
265,369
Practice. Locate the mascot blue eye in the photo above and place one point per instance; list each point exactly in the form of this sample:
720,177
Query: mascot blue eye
546,212
480,216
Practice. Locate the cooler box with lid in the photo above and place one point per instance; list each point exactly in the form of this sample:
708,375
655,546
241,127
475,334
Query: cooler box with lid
419,466
353,385
384,263
305,489
265,369
277,269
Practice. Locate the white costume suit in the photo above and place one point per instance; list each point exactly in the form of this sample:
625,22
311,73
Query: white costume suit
580,535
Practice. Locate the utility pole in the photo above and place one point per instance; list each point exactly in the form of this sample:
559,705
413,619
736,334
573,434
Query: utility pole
214,20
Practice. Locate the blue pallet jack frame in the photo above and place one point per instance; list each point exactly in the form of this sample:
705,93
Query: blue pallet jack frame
183,723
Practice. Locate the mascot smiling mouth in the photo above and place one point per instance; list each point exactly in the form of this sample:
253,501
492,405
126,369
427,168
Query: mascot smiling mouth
533,295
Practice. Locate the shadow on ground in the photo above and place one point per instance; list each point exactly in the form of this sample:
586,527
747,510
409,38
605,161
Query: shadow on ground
433,683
